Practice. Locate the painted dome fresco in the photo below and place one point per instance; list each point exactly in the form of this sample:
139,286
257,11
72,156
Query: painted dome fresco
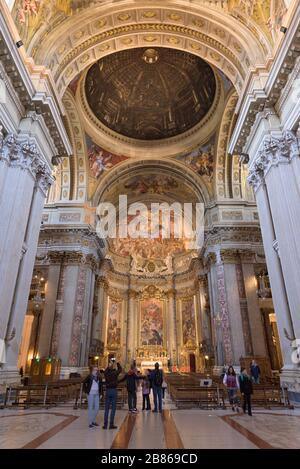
150,94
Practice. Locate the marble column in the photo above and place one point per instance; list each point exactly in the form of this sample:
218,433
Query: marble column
75,322
47,321
131,326
30,179
172,330
218,347
255,316
274,175
206,326
269,228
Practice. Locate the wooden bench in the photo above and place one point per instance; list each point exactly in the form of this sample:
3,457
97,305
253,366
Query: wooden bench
46,395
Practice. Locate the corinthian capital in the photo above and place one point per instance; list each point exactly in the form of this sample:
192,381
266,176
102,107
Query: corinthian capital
275,151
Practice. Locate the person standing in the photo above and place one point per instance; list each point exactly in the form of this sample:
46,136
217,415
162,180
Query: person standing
111,375
163,388
92,386
246,390
232,385
131,379
157,380
146,387
255,372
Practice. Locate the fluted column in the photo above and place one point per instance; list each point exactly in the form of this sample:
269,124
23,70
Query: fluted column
274,177
275,174
26,182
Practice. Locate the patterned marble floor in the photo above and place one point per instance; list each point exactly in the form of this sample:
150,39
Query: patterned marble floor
67,428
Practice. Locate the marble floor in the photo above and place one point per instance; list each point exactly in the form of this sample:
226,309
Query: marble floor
64,427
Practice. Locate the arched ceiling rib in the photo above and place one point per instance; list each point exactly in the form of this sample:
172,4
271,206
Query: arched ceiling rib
67,45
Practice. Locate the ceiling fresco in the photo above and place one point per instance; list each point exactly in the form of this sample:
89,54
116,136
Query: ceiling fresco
100,160
32,15
160,247
201,160
150,94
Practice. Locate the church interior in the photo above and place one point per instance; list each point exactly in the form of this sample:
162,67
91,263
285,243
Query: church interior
162,103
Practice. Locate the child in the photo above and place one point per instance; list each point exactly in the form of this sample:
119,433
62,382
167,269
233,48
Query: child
146,385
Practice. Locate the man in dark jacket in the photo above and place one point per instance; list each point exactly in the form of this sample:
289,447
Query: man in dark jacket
131,380
111,375
92,386
246,389
157,378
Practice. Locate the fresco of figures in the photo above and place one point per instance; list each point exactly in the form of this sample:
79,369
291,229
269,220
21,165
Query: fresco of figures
188,323
114,324
151,184
201,160
151,322
100,160
160,247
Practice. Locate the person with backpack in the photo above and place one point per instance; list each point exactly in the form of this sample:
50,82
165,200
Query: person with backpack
246,389
157,380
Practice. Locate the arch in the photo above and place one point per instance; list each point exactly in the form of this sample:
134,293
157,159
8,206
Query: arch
175,168
222,178
234,45
78,171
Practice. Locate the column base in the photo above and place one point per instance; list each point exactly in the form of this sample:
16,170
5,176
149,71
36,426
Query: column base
290,378
66,370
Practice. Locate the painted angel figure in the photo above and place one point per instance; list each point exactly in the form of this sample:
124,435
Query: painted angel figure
28,7
101,163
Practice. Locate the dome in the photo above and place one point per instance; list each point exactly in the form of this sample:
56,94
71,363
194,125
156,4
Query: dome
150,94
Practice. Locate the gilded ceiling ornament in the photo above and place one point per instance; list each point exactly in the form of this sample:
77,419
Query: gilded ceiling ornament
220,33
195,46
104,48
149,14
79,34
127,41
198,22
237,47
101,23
69,72
62,49
231,69
84,58
124,17
215,56
173,40
174,17
150,38
157,27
